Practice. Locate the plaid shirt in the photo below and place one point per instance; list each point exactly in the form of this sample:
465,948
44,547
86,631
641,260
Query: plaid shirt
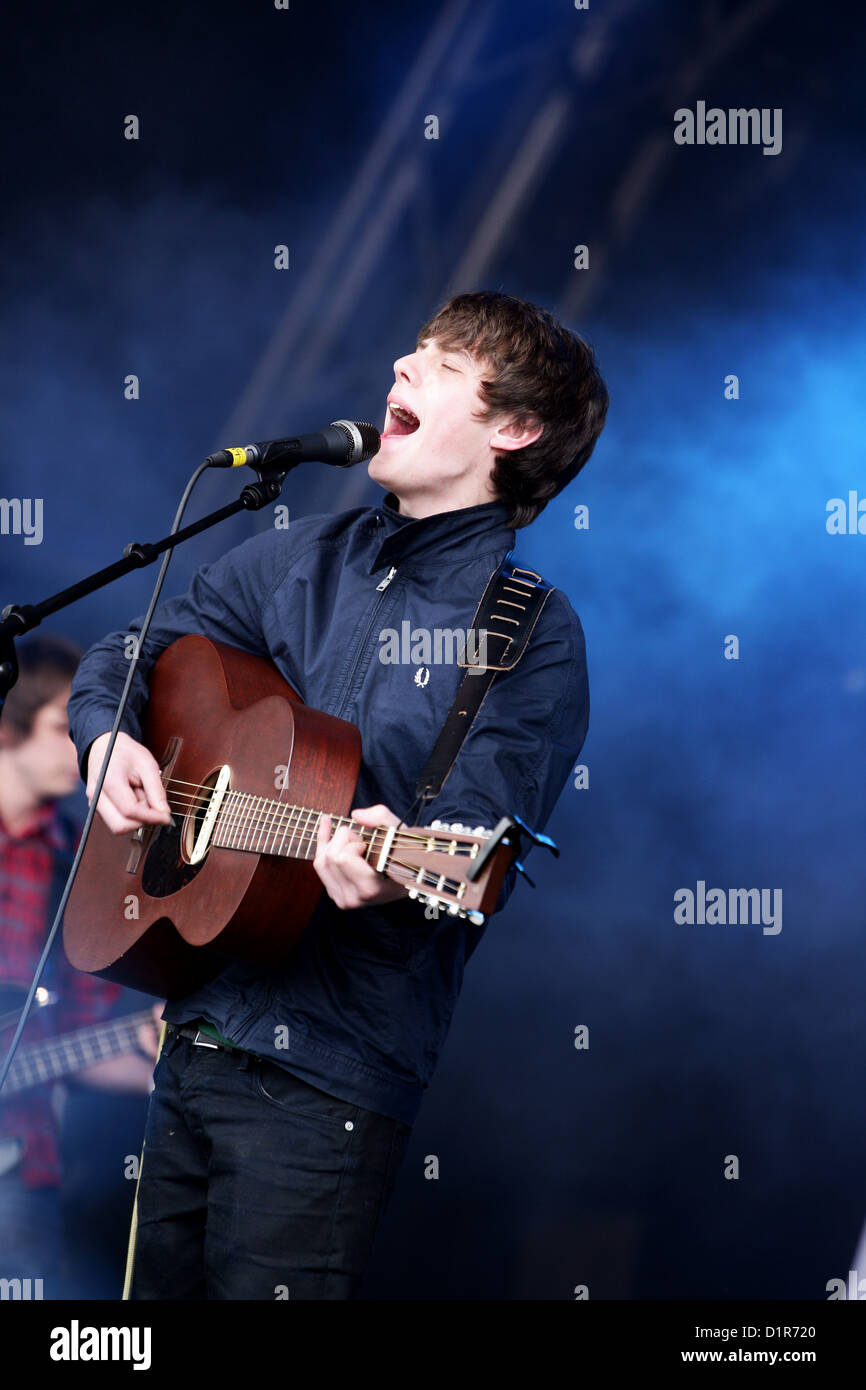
27,867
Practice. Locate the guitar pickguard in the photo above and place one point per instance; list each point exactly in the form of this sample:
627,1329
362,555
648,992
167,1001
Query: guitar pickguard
165,870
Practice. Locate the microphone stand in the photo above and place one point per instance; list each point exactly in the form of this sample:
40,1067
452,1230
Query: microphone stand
16,619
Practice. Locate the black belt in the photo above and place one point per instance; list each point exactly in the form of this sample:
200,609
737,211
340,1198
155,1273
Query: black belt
200,1039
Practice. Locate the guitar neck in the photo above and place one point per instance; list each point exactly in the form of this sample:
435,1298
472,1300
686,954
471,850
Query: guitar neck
262,825
69,1052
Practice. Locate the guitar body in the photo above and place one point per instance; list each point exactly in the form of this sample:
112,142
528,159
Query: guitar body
140,913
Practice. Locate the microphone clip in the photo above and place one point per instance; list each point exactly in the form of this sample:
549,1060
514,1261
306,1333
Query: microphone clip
254,496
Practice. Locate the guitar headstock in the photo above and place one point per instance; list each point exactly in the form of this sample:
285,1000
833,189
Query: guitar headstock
451,867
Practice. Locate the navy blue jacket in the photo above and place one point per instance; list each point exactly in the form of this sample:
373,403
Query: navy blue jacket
368,995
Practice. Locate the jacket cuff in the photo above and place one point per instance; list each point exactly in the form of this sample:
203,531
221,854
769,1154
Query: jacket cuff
90,730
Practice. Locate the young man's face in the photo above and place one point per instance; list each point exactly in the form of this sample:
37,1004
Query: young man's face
46,760
444,453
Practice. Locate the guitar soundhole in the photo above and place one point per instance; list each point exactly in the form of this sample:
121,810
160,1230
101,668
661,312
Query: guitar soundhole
181,849
165,870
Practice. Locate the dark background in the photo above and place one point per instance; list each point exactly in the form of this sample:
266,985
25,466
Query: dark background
558,1167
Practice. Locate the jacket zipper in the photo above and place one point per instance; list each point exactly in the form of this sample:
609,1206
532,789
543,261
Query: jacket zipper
387,580
380,589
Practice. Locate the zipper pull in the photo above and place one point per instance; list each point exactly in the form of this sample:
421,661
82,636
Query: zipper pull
387,580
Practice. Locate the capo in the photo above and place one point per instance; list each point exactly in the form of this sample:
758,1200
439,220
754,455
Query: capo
509,831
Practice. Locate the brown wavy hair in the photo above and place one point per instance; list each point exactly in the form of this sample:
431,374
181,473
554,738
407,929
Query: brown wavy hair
46,665
537,368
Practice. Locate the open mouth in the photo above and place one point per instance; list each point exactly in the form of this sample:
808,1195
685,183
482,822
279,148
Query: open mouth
401,420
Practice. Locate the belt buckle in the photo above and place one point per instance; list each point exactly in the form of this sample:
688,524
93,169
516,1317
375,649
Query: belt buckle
202,1040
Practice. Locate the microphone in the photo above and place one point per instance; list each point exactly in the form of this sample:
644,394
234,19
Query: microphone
343,443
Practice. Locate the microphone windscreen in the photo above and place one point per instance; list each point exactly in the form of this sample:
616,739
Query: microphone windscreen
363,441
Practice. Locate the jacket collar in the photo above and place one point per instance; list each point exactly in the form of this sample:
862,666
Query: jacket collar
433,538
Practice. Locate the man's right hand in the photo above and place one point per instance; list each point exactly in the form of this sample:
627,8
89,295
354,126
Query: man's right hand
132,793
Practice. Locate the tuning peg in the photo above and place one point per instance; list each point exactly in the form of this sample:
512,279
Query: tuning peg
476,918
413,892
438,825
480,830
456,825
453,909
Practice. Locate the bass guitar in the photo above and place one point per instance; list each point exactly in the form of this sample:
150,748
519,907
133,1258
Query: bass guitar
37,1064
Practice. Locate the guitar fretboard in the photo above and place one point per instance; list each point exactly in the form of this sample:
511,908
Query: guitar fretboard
46,1061
262,825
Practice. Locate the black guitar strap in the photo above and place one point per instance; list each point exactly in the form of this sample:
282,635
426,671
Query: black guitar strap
509,609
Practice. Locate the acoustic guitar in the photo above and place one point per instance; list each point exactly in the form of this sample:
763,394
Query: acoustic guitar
248,771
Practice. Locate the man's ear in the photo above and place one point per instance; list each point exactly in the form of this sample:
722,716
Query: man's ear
517,433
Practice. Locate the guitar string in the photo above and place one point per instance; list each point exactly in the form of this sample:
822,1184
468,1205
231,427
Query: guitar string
307,837
285,812
453,885
50,1050
199,787
268,827
278,815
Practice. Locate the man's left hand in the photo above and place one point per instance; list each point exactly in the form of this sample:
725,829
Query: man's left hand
349,880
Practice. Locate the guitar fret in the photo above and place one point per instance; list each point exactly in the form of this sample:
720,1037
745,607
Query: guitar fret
290,828
221,822
251,822
275,810
284,823
272,810
260,827
261,824
87,1054
231,829
242,816
298,832
297,848
312,838
293,851
290,822
240,812
226,820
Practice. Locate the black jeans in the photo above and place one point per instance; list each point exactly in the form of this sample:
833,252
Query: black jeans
255,1184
